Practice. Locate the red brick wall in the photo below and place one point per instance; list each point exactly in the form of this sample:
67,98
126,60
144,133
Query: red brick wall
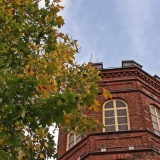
62,142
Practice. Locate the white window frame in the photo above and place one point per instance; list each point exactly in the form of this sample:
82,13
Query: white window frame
115,113
156,114
75,137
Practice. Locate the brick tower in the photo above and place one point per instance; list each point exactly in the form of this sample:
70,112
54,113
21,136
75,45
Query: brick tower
131,119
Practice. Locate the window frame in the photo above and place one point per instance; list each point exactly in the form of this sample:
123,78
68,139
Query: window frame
75,137
115,114
156,110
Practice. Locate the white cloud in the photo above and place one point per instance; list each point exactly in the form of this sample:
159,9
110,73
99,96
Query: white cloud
136,18
65,2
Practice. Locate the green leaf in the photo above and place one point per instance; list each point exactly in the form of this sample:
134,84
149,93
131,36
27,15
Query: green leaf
3,48
4,154
94,89
22,113
89,99
2,83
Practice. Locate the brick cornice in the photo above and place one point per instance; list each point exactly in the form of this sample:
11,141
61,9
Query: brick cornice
129,72
131,90
123,151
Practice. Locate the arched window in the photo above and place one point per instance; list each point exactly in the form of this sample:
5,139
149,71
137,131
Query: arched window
155,115
72,140
115,116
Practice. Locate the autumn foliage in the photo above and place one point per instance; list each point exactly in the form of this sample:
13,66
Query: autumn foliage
39,82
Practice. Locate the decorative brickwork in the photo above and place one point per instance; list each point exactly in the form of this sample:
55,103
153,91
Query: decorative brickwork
138,90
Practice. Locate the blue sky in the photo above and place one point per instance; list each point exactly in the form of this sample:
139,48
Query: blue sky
115,30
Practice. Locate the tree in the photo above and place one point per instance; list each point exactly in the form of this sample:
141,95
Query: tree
39,82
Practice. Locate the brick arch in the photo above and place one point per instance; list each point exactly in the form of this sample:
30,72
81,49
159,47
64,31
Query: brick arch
155,105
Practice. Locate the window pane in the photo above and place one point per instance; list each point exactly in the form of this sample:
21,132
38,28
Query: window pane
71,144
122,127
110,128
78,136
155,126
158,113
156,132
78,139
121,112
154,119
152,110
120,104
109,113
109,121
122,120
109,104
71,138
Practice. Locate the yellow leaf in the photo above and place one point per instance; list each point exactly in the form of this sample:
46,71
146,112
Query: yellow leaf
43,134
107,94
20,75
15,1
68,120
90,63
29,144
46,145
41,155
27,66
66,117
85,116
61,35
48,19
31,72
60,19
57,1
9,11
95,107
96,103
45,89
70,89
60,7
90,107
38,147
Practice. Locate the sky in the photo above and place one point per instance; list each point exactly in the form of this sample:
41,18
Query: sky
110,31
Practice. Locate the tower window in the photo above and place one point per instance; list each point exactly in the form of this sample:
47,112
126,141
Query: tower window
115,116
155,115
73,139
